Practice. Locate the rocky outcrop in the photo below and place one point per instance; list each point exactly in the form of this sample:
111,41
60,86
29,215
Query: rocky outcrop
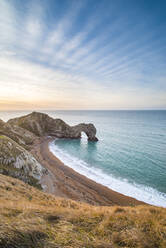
17,162
41,125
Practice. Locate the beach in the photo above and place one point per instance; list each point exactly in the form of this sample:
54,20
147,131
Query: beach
62,181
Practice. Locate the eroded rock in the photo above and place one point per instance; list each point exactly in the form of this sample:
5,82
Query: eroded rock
18,162
41,124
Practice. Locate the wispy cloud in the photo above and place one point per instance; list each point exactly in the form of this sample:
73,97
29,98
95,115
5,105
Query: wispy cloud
85,53
8,24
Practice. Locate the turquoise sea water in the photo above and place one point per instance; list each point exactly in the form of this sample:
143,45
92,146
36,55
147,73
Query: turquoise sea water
130,156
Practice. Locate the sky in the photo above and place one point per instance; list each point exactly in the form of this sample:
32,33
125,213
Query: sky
82,54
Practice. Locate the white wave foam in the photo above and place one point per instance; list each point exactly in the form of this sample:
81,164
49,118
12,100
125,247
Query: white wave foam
142,193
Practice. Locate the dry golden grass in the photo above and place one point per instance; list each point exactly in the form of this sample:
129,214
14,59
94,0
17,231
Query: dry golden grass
30,218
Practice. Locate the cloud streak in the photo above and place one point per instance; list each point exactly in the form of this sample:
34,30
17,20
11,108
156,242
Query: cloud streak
81,53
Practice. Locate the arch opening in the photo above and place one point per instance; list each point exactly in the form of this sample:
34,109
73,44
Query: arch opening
84,135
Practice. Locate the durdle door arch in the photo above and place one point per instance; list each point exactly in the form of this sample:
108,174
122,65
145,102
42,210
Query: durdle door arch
40,124
88,129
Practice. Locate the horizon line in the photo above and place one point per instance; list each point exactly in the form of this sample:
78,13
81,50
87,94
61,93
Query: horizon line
39,110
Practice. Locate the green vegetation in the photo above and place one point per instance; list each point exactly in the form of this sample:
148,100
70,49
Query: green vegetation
2,137
30,218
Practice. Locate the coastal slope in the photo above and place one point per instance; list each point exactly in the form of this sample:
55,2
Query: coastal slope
30,218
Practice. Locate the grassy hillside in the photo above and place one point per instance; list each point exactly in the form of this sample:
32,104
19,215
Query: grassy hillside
30,218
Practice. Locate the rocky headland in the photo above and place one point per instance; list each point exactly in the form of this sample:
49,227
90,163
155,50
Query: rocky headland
25,154
18,136
40,124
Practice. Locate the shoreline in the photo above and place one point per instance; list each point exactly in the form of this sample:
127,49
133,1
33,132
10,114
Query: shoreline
63,181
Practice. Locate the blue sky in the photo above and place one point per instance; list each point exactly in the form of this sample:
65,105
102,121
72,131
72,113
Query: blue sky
84,54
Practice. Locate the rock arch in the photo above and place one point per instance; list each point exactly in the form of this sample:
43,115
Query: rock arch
41,125
88,129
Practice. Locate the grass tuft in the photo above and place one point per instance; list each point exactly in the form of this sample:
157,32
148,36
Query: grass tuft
19,239
52,218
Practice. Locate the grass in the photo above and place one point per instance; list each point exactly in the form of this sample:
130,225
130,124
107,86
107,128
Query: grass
30,218
2,137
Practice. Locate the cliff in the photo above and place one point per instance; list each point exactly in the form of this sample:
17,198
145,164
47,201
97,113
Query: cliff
17,162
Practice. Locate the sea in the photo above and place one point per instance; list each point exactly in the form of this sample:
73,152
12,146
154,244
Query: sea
130,156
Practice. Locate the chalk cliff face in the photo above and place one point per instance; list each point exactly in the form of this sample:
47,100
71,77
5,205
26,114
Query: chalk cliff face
41,124
18,162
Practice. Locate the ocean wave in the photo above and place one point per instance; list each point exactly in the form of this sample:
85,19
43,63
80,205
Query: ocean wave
139,192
